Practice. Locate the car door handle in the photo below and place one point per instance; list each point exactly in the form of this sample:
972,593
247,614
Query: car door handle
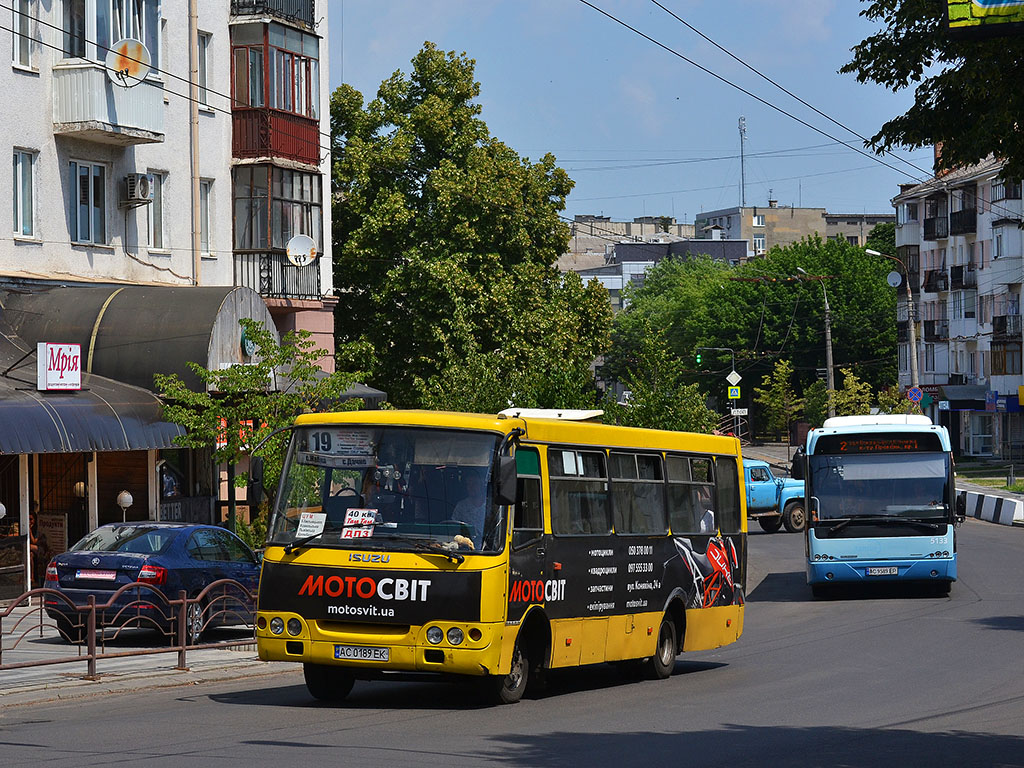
539,552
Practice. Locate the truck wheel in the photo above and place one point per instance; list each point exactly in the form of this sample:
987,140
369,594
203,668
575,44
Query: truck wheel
770,524
793,517
661,664
508,689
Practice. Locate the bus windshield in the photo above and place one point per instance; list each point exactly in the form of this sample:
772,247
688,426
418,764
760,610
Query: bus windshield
909,485
394,488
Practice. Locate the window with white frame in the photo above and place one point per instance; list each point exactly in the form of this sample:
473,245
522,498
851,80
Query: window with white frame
758,219
205,197
957,305
759,243
929,357
92,27
22,29
24,193
87,208
156,212
997,243
204,63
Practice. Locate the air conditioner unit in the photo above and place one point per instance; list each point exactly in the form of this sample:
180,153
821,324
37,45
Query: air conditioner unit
138,188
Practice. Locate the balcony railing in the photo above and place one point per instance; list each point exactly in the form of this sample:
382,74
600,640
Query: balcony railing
270,274
270,133
88,106
963,276
293,10
936,228
936,280
963,222
936,330
1006,326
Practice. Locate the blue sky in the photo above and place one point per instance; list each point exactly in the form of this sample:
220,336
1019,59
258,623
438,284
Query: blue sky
636,126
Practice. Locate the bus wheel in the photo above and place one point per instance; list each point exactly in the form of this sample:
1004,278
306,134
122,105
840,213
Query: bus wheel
821,591
327,683
770,524
508,689
663,661
793,517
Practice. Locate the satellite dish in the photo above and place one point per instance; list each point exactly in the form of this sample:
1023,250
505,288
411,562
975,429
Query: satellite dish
301,250
894,279
127,62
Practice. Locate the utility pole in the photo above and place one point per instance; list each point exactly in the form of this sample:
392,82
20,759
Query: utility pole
743,175
912,331
830,381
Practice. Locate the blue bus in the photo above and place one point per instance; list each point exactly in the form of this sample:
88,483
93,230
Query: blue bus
881,503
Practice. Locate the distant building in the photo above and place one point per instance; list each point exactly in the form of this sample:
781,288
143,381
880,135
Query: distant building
593,237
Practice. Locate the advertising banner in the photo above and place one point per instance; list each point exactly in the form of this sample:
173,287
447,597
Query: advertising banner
971,18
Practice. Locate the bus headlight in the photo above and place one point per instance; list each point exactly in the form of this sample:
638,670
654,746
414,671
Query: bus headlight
434,635
294,627
277,625
455,636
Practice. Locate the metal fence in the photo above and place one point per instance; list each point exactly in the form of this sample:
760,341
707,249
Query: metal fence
90,629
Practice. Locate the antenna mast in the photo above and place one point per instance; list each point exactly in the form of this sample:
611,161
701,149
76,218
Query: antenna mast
743,175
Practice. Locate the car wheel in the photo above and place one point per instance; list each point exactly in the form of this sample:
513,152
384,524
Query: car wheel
70,632
195,618
508,689
664,659
770,524
794,517
327,683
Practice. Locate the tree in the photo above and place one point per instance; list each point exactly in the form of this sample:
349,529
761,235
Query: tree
882,238
967,92
445,245
780,403
238,406
816,403
854,397
891,400
659,396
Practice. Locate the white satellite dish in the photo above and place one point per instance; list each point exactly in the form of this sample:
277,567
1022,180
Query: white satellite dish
128,62
894,279
301,250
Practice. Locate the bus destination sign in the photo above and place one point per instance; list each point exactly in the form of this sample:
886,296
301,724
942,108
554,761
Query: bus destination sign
877,443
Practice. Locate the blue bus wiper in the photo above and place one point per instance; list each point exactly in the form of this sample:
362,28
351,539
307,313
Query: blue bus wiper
885,520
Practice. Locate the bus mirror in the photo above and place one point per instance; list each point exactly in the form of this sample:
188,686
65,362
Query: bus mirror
961,504
255,480
505,489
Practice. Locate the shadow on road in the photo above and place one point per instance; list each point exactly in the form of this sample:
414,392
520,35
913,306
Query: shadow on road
788,587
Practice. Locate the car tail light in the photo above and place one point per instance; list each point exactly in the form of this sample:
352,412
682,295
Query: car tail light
51,571
153,574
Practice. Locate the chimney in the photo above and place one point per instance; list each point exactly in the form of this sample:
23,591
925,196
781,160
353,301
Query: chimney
773,203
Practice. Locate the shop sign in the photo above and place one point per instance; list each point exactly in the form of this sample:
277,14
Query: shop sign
990,401
58,366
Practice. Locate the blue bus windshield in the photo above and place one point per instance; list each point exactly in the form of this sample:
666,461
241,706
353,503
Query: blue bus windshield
909,485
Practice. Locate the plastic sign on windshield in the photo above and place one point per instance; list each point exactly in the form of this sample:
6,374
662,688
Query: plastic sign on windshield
972,18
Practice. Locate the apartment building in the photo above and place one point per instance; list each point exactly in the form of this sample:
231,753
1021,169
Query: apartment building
959,236
164,155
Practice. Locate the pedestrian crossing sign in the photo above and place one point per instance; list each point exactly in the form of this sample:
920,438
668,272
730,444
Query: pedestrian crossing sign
734,393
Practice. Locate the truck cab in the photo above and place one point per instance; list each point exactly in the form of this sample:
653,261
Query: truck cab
774,501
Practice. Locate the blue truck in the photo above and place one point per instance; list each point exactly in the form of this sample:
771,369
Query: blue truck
774,501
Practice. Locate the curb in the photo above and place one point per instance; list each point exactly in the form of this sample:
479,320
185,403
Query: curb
1003,510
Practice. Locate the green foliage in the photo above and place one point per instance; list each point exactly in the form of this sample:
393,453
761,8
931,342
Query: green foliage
255,533
780,405
445,245
967,92
242,394
659,397
816,403
882,238
854,397
891,400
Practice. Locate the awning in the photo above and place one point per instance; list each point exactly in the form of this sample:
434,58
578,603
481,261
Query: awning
964,397
104,415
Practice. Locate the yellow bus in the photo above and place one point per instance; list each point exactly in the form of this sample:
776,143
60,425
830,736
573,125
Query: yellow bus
496,546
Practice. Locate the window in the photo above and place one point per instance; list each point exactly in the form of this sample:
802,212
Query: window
295,207
759,243
904,363
579,498
691,496
638,493
247,76
758,220
74,29
929,357
22,29
1006,359
205,191
727,495
294,71
528,523
23,193
87,208
997,243
1005,190
203,62
853,239
957,305
156,212
112,20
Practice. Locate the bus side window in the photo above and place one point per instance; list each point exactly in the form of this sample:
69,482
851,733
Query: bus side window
727,495
579,495
638,493
691,497
528,522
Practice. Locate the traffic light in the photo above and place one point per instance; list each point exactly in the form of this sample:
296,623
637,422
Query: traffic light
698,357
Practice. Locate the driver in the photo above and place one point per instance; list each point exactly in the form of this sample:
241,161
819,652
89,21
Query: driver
472,509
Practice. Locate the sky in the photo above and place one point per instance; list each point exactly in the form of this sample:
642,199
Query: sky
641,131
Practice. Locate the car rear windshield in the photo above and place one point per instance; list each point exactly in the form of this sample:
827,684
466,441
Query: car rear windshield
140,539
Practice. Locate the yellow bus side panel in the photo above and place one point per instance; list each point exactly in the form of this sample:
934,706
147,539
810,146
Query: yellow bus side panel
566,641
620,631
708,628
594,637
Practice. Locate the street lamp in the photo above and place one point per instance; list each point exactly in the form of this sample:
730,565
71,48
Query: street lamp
124,500
910,314
829,377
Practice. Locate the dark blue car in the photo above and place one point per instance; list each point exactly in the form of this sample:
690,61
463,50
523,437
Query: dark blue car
170,557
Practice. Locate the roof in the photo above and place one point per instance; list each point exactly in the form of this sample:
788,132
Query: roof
954,177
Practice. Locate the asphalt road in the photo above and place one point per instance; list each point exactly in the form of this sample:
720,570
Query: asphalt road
871,679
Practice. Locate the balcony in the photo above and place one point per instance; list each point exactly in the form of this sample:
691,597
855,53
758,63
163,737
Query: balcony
962,277
271,275
268,133
936,228
86,105
290,10
902,331
963,222
936,330
936,280
1006,327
